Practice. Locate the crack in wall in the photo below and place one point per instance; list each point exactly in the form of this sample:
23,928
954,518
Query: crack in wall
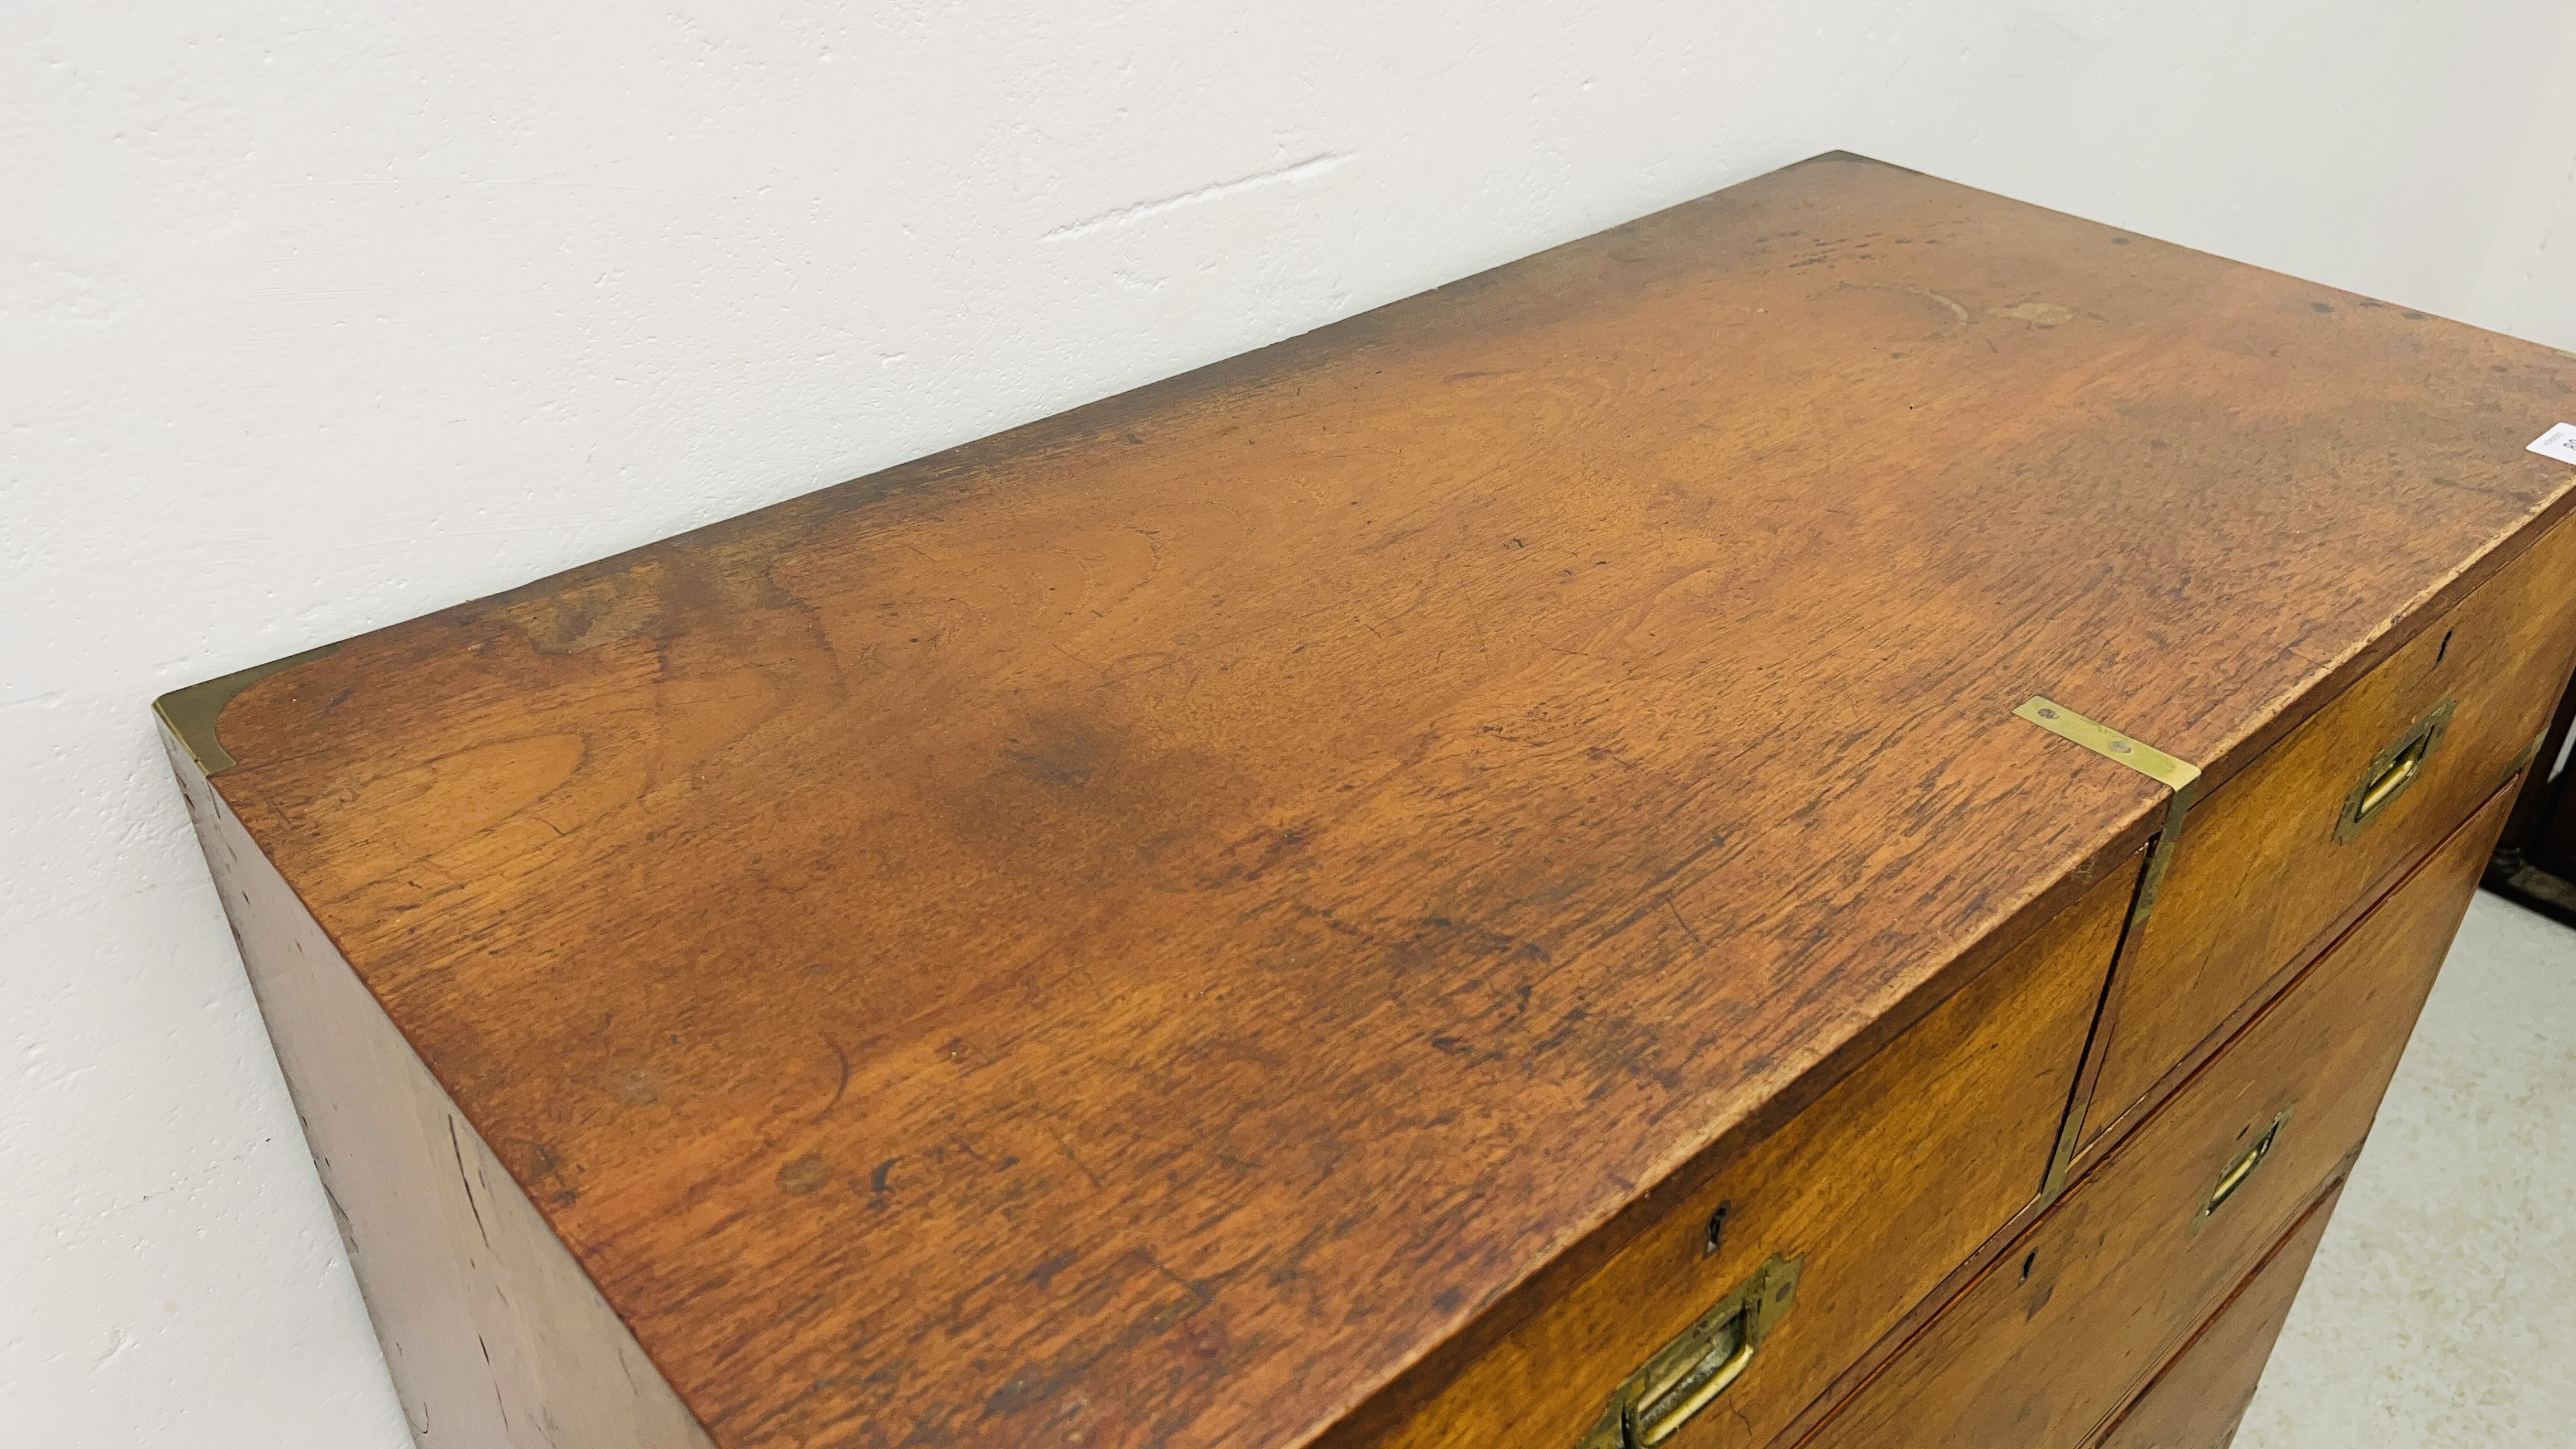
1217,191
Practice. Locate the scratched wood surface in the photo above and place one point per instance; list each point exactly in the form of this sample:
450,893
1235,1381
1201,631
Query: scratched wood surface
1139,929
2079,1310
494,1336
2261,874
1879,1189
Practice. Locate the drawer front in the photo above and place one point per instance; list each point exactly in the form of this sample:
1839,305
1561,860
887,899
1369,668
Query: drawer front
1877,1190
2272,861
2103,1287
2196,1400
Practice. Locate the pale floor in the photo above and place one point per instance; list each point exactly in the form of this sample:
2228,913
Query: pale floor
2441,1310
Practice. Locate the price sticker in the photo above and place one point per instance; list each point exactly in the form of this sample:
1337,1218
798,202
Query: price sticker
2559,443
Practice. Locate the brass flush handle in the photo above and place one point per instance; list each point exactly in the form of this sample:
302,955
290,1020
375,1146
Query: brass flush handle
2393,769
1687,1374
2241,1167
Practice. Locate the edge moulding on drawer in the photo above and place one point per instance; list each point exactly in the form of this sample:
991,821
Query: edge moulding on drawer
1220,916
2273,867
2108,1283
2195,1401
1898,1174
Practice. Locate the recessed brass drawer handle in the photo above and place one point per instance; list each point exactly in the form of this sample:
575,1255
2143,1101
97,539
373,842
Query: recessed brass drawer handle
2393,769
2241,1167
1692,1370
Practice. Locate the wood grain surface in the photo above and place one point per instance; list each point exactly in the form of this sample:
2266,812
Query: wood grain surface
2261,875
494,1336
2196,1401
1138,930
2109,1284
1879,1189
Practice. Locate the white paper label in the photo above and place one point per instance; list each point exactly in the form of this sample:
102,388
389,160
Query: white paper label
2559,443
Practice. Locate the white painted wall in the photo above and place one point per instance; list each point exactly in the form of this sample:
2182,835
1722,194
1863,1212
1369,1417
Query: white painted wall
313,318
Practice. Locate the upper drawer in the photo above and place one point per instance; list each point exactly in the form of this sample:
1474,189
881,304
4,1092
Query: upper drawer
2104,1286
1874,1193
2286,851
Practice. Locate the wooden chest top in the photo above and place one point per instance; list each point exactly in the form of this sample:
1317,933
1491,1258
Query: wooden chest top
1135,930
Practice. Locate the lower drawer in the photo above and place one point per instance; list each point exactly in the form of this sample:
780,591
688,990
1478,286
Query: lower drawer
1868,1198
2103,1288
2196,1400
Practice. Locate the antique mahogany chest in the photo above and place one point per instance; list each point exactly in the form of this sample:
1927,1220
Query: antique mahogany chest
1816,819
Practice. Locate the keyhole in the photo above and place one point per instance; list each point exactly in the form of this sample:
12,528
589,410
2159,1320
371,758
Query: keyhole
1716,1227
2446,646
2026,1262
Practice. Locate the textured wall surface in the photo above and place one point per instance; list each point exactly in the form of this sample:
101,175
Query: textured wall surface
316,318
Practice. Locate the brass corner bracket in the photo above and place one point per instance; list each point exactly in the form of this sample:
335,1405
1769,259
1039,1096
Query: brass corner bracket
189,714
2173,772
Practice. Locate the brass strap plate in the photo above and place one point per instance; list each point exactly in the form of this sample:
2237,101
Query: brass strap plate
2178,775
2110,744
